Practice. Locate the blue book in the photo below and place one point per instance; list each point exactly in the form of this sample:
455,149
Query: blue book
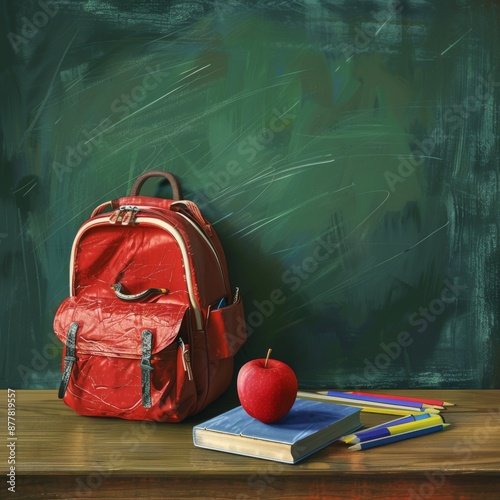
308,427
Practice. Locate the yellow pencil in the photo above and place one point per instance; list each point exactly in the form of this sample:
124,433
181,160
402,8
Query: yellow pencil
370,434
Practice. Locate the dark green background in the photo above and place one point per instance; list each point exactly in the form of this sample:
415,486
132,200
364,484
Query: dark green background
346,152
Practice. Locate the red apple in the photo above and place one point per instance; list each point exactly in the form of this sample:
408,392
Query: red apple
267,389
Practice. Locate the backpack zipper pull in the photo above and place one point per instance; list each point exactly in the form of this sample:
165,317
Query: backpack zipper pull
129,214
186,359
116,216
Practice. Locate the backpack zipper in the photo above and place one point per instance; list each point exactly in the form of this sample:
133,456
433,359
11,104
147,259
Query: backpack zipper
117,216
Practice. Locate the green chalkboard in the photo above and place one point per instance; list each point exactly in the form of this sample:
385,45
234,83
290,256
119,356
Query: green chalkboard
346,152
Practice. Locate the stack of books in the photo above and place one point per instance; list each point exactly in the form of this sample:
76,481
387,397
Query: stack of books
318,419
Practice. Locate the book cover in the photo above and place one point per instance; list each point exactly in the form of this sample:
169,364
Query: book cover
308,427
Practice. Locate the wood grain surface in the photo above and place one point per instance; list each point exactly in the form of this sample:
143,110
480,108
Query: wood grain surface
60,454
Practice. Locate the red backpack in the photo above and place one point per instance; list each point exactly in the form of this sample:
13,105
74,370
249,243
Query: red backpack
151,325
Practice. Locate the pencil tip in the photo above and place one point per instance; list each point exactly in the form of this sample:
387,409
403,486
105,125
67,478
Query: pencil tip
347,438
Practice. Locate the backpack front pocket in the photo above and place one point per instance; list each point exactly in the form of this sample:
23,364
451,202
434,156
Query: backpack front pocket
127,361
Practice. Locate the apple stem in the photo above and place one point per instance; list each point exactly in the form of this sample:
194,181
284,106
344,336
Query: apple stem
267,357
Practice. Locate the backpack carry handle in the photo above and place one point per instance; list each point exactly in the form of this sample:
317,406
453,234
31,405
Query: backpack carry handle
174,183
122,293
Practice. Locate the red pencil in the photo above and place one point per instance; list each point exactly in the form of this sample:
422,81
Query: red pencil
431,402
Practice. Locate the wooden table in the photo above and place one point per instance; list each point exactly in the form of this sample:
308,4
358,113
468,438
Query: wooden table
59,454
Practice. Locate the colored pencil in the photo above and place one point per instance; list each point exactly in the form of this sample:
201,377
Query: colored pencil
382,399
398,421
381,432
430,402
397,437
386,411
366,409
361,401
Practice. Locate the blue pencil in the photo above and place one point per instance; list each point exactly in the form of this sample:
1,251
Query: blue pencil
398,421
381,432
376,399
397,437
